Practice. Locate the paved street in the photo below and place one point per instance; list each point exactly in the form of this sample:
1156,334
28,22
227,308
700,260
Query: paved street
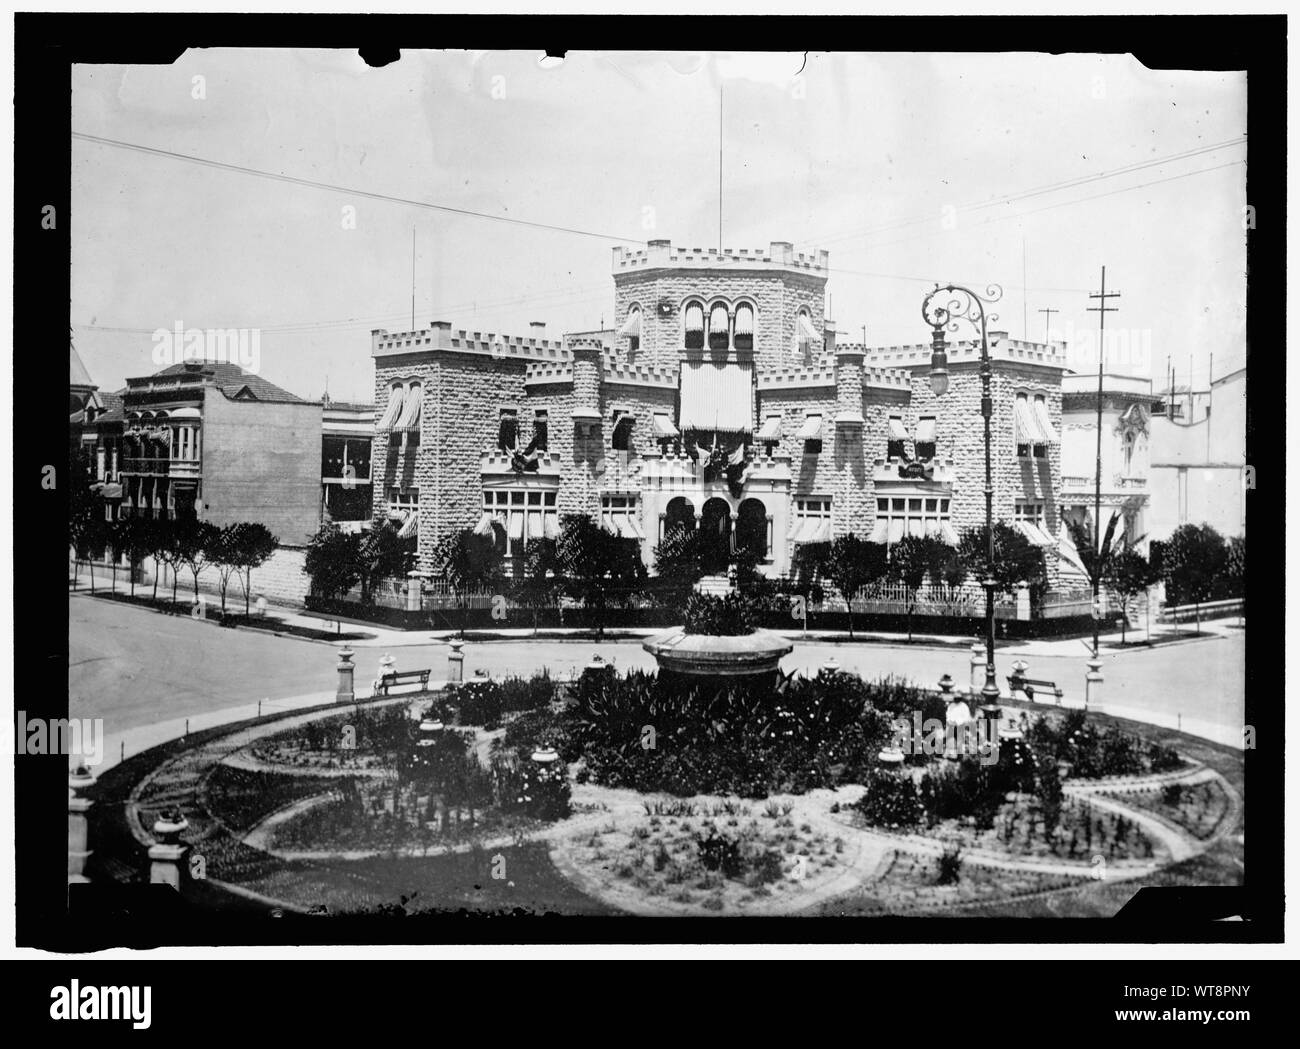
136,667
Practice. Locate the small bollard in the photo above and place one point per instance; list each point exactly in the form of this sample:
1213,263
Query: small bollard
414,592
456,661
346,692
167,854
79,780
1092,685
831,666
978,661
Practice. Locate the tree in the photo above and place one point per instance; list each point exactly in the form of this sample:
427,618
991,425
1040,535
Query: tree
382,554
115,546
171,548
158,533
196,543
468,561
1128,574
88,536
910,560
1195,557
85,510
598,564
137,542
853,564
541,581
679,565
332,561
948,571
1235,569
255,546
1094,558
1015,559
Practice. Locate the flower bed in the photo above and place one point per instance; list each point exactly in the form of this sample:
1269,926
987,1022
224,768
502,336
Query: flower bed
688,858
1199,808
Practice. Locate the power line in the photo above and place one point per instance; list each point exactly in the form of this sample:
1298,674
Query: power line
1034,191
351,191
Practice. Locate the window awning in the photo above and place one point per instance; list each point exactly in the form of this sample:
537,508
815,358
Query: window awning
1034,534
631,326
694,317
804,330
410,417
718,319
516,529
392,412
1044,420
896,431
411,526
880,534
484,526
948,534
925,430
1070,553
622,523
664,428
814,530
916,527
128,503
897,527
717,397
111,490
811,430
744,320
770,430
534,524
1027,431
550,527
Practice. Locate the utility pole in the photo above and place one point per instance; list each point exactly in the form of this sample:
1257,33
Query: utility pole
1102,309
1047,325
719,169
412,278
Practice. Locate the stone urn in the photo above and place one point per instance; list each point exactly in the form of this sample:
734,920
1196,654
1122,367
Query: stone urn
714,655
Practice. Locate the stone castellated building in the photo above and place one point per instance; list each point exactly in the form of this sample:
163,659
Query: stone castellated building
722,400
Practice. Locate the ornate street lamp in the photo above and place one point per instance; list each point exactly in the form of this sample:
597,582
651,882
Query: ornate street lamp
944,308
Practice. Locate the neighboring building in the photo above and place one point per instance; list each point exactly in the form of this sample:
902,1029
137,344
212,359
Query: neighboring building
210,440
1126,419
721,400
1198,460
347,431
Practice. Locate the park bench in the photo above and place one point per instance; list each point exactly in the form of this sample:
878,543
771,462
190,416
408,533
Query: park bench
403,677
1028,684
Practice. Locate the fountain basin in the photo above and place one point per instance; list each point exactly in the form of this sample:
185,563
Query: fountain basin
713,655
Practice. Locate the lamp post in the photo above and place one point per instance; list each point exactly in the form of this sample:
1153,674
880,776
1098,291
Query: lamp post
944,308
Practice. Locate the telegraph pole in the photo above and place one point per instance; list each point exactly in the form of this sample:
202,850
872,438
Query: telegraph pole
1047,328
1102,309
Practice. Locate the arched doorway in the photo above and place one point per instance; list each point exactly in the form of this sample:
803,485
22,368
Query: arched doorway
679,514
715,535
751,528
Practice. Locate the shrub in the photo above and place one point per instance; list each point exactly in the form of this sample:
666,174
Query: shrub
891,801
535,693
524,786
479,702
949,865
727,616
720,853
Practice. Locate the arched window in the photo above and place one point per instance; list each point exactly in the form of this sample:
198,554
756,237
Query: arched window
719,327
694,326
806,338
745,327
1130,441
632,329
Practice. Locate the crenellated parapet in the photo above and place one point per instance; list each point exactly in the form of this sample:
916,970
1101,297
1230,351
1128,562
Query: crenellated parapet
779,255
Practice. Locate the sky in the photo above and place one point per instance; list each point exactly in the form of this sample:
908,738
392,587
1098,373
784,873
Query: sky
909,169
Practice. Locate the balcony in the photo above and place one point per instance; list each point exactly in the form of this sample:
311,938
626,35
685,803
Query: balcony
184,468
158,465
1116,483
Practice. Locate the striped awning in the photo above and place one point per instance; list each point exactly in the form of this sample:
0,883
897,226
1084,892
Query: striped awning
392,412
717,397
897,528
813,530
718,319
880,534
631,326
1044,420
550,527
534,524
925,430
770,430
694,317
744,320
1027,430
664,428
811,430
1070,553
948,534
896,430
516,527
1034,534
916,527
622,523
411,526
805,331
484,526
410,417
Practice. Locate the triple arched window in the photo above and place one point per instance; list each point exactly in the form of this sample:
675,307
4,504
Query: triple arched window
720,326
